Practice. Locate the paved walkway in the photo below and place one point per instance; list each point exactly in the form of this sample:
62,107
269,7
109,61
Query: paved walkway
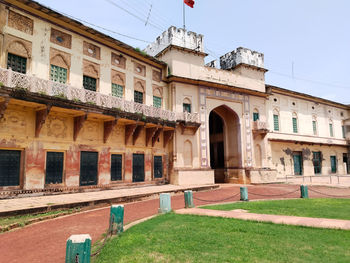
42,203
46,241
276,219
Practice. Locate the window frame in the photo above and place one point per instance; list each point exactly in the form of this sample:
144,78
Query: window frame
25,60
86,77
155,98
60,68
63,168
276,122
117,86
138,94
188,106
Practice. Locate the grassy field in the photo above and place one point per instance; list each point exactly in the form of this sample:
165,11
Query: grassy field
321,208
187,238
22,219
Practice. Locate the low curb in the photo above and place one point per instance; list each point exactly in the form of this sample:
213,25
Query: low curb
104,201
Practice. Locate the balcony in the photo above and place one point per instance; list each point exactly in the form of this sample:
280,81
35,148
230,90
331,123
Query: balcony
15,80
260,128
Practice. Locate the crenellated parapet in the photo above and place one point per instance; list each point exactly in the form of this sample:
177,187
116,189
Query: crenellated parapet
242,56
176,37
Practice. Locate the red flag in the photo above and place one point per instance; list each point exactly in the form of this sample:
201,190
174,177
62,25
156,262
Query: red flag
190,3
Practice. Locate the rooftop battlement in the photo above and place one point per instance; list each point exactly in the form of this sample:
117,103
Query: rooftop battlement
177,37
242,55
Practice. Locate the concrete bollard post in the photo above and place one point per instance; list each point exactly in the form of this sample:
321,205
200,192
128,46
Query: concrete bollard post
78,249
188,199
304,193
244,193
117,218
164,203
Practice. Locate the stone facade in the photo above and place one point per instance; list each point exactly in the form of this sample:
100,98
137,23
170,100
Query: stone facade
197,125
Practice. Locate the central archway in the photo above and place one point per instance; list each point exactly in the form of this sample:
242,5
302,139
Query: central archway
225,142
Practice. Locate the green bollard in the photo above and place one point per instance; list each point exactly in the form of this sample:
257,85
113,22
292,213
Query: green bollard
164,203
78,249
117,218
304,192
188,199
244,193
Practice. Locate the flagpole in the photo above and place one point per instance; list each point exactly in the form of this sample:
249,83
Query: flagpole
183,14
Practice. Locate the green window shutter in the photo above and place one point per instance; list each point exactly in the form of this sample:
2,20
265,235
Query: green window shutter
255,116
58,74
276,125
343,131
298,163
314,127
317,161
331,130
138,96
157,102
89,83
187,107
17,63
333,164
295,125
117,90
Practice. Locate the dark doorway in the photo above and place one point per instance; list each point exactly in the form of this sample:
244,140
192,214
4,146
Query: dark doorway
54,167
346,161
10,163
138,168
158,167
217,151
298,163
88,168
116,167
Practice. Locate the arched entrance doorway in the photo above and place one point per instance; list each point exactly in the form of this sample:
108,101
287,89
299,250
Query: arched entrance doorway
225,143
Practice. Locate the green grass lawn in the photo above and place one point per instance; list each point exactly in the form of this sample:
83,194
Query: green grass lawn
187,238
23,219
321,208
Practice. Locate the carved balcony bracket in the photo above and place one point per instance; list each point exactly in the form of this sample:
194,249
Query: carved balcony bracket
156,136
129,131
150,132
189,129
108,128
78,125
3,107
137,133
168,135
40,117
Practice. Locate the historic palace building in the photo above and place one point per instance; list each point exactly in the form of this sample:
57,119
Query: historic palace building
81,110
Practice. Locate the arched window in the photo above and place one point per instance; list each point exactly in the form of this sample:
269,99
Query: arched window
187,105
314,125
17,55
276,122
157,96
343,129
139,91
59,66
295,122
118,84
256,116
331,132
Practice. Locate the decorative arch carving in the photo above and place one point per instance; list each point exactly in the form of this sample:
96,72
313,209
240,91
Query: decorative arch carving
118,78
187,100
139,85
60,58
157,91
91,69
18,46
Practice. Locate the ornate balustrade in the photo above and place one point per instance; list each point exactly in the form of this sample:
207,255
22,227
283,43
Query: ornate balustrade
12,79
259,125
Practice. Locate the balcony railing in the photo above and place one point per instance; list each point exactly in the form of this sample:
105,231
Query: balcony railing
14,79
259,125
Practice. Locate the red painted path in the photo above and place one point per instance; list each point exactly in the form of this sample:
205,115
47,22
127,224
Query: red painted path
45,241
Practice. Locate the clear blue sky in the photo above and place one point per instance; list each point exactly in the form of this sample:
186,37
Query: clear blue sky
314,34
